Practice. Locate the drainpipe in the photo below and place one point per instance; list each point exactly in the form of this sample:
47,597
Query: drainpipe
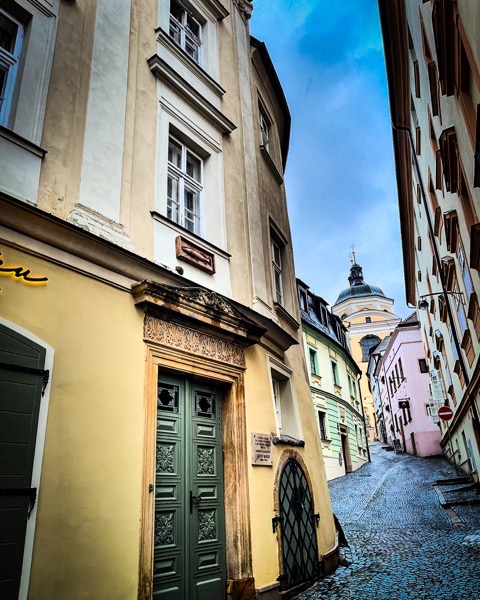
439,264
363,417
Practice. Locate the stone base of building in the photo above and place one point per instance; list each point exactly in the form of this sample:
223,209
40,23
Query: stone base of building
241,589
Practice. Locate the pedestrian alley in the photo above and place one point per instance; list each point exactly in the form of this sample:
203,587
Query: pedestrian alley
403,544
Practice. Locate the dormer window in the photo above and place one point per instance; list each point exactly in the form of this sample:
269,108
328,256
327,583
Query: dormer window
185,30
303,299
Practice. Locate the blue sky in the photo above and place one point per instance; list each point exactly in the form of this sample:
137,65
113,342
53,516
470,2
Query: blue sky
340,177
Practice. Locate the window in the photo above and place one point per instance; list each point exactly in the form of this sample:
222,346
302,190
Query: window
368,320
11,37
336,380
464,271
264,130
185,30
322,422
422,363
303,299
368,343
286,415
400,367
459,307
184,186
313,362
277,272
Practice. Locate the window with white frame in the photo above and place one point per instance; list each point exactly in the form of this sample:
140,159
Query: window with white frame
336,379
185,30
264,129
184,186
313,361
277,272
283,398
11,37
303,299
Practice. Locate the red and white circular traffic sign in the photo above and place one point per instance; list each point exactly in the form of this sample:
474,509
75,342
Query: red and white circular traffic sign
445,413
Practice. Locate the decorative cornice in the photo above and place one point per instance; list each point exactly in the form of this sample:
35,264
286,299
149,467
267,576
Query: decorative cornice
184,338
13,137
200,306
217,8
167,42
245,8
187,92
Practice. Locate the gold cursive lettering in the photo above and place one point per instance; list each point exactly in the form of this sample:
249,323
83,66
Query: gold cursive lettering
20,273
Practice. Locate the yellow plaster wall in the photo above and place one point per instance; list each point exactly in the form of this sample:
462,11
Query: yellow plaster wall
261,419
87,531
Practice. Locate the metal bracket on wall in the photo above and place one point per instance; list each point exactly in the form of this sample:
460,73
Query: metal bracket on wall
45,374
275,522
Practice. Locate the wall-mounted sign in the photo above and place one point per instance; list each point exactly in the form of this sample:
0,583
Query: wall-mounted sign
193,254
262,449
21,273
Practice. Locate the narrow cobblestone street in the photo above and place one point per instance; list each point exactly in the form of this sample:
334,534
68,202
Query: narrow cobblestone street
403,544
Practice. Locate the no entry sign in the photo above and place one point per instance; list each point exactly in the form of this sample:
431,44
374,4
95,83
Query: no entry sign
445,413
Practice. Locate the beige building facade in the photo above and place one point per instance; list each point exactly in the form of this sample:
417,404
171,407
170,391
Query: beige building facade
433,56
161,439
368,316
335,386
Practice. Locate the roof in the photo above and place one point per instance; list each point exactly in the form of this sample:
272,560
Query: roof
358,287
410,320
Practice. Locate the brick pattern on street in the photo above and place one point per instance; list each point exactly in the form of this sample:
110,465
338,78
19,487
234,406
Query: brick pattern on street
403,544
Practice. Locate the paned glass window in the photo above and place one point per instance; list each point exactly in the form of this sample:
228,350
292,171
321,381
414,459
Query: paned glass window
464,270
264,130
184,186
11,37
277,272
185,30
313,361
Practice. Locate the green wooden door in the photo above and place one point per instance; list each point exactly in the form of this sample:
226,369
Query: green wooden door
189,538
20,395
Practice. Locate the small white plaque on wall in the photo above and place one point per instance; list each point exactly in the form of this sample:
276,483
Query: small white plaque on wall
262,449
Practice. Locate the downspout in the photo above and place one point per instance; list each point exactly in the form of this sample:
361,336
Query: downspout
363,417
438,260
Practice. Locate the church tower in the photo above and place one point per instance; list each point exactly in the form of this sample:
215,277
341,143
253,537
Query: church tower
368,316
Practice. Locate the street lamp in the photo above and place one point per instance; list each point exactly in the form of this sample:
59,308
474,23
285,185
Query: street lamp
423,303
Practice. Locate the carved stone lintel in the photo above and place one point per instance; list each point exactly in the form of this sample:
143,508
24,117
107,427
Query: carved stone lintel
245,7
184,338
194,255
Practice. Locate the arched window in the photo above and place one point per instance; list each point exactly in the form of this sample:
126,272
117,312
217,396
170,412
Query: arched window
368,343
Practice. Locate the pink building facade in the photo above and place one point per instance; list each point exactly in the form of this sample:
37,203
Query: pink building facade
403,387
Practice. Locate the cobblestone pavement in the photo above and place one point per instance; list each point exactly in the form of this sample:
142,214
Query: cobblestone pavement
403,545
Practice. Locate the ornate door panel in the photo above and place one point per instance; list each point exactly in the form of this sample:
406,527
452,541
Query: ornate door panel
298,523
20,398
189,546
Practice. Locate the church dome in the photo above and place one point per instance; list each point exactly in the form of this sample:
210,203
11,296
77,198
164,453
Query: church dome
358,288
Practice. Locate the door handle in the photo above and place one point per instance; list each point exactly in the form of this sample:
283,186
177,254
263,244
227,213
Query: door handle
194,500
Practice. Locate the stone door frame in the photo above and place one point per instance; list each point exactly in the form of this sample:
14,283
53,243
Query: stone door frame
181,350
